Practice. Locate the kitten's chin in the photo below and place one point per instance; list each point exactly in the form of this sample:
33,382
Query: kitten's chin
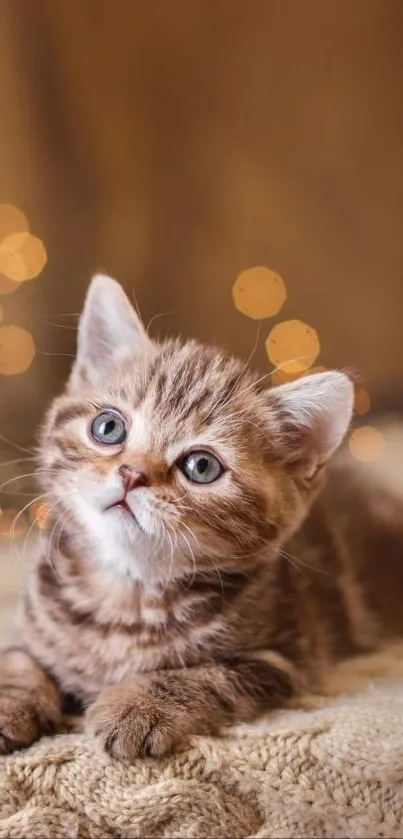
121,548
125,514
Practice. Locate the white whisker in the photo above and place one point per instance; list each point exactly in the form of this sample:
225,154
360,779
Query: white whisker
61,325
20,477
59,520
16,445
19,514
296,561
56,354
160,315
18,460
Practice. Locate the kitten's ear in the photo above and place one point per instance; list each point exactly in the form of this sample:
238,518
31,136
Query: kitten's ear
107,326
314,412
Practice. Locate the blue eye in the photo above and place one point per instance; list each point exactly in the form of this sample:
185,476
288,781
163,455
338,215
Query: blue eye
201,467
109,428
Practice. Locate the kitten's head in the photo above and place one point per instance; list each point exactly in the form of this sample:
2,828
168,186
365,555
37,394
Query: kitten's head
166,455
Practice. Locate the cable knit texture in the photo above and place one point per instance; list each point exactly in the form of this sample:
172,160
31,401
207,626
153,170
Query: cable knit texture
331,770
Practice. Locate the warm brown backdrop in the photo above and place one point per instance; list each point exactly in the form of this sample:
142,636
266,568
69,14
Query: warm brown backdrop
176,143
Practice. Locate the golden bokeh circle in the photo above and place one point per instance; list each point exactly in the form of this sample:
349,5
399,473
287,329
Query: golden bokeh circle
259,292
10,526
7,286
12,220
39,512
367,444
362,401
12,264
17,350
293,344
22,257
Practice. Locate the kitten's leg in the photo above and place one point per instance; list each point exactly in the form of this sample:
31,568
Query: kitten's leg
152,713
30,703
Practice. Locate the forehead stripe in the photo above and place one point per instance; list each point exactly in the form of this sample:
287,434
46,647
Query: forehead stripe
68,413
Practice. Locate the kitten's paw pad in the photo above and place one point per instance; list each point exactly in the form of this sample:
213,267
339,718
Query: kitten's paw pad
130,724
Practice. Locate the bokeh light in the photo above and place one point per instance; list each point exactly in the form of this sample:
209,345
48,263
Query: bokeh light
259,293
12,220
22,257
17,350
362,401
367,444
7,286
293,343
10,525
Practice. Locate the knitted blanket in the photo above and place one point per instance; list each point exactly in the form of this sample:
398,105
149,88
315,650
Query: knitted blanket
331,770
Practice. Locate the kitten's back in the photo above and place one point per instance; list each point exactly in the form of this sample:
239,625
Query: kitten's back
348,561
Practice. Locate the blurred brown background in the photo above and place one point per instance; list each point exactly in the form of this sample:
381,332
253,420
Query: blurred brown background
174,144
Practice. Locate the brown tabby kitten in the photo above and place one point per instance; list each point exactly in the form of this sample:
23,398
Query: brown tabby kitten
162,598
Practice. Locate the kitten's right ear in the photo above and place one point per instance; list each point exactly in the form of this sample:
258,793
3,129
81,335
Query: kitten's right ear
313,415
108,326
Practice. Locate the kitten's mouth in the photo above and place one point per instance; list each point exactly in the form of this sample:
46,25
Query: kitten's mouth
122,504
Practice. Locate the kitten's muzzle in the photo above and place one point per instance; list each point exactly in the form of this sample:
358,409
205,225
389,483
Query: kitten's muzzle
131,480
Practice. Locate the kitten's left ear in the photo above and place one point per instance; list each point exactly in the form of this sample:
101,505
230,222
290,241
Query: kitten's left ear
107,326
314,413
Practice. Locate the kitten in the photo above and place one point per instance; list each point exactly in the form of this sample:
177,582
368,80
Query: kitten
163,596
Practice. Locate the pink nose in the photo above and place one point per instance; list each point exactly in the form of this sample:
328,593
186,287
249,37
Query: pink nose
131,479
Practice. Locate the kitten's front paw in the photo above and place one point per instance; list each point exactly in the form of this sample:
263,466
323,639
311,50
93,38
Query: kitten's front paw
135,721
21,722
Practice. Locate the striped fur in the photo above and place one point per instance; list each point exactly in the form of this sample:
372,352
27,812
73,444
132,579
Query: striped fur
185,614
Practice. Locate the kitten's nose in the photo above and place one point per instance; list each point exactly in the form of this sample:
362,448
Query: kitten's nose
132,479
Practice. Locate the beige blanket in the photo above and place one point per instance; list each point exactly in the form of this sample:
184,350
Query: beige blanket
334,770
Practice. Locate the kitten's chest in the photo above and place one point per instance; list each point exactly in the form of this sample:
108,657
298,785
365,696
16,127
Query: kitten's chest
89,637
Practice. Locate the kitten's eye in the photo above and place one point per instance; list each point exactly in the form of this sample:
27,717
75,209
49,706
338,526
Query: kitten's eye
109,428
201,467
